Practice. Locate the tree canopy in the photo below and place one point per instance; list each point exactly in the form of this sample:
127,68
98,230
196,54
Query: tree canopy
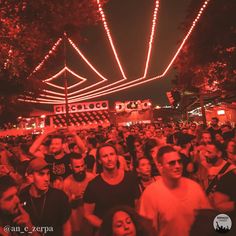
28,31
207,61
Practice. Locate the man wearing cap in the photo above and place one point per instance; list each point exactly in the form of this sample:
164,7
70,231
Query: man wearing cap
47,207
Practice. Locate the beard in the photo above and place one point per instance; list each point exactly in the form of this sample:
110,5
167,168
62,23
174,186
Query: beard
9,216
57,152
80,176
212,160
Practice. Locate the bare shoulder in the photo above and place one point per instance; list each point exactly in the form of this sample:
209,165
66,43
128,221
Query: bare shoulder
90,175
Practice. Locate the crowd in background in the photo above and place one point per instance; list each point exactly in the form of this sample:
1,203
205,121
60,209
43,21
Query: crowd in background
145,179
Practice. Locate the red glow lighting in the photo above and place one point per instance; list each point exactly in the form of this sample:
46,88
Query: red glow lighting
66,68
110,38
151,37
148,55
79,52
147,61
55,46
136,81
77,91
82,79
85,59
140,80
98,89
221,112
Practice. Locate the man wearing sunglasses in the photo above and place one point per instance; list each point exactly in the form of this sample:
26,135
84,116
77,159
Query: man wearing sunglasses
171,201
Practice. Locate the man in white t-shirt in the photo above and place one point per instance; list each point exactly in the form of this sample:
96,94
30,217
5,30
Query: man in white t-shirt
171,201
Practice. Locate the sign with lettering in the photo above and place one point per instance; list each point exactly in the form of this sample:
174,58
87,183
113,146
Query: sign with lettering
129,106
81,107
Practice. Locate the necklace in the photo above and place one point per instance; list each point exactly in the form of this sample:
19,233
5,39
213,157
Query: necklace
35,211
113,180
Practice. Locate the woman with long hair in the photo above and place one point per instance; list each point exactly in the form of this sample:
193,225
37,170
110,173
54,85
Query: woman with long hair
124,220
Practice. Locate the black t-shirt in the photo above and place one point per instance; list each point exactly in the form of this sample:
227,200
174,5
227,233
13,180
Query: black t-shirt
213,132
154,170
226,185
51,210
8,220
186,160
59,167
106,196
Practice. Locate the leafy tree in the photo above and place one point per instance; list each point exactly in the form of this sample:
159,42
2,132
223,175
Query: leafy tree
28,31
207,61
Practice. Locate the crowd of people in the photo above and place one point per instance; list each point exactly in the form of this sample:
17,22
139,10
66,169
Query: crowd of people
143,180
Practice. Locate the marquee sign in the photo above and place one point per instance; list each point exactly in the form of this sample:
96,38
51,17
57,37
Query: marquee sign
81,107
129,106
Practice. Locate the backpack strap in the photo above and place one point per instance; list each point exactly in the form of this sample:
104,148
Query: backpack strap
214,181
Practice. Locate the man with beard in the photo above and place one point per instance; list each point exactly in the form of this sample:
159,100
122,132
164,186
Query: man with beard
74,186
58,159
170,202
47,207
200,159
221,179
185,143
12,213
205,138
56,156
214,128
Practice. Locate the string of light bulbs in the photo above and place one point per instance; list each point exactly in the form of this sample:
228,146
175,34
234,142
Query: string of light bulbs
66,68
140,80
100,9
151,38
53,49
114,51
82,79
154,21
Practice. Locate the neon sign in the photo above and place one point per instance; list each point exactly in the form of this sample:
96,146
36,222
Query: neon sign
81,107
